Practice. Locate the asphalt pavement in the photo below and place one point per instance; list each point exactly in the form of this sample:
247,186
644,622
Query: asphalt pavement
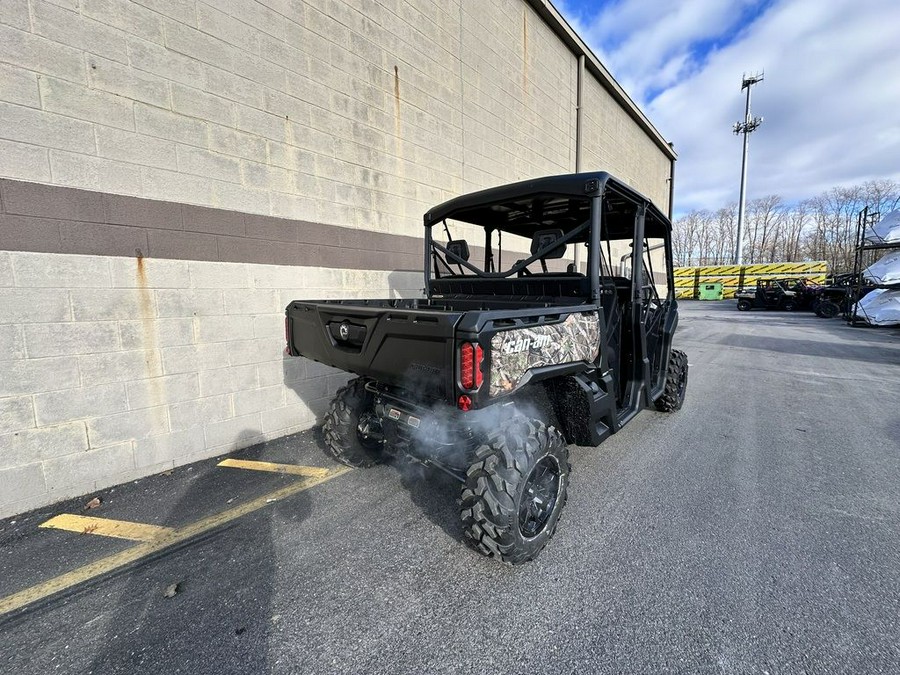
757,530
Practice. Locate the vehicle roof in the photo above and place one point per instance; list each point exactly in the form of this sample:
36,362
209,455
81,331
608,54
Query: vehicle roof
561,201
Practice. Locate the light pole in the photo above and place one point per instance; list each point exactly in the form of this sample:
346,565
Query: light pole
746,127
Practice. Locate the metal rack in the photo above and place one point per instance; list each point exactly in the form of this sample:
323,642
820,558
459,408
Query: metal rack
864,255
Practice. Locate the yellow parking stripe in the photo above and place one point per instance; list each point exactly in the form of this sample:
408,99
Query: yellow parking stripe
293,469
134,553
120,529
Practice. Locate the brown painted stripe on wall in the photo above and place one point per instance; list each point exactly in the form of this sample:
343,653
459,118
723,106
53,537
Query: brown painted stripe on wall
51,219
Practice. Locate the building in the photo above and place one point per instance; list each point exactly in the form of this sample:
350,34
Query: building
173,172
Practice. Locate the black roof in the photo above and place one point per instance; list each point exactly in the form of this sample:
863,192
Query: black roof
528,206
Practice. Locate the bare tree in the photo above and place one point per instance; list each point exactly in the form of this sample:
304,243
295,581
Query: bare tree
688,238
725,227
881,196
834,217
680,242
763,215
795,221
819,228
705,235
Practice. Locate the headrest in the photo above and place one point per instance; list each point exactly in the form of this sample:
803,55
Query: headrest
460,248
543,238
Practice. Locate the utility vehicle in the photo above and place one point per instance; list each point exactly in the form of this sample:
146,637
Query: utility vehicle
768,294
806,292
513,353
839,294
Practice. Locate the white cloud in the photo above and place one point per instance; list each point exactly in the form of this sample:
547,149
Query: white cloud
831,95
649,44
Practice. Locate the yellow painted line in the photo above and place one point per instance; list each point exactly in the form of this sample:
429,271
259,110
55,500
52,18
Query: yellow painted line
293,469
130,555
121,529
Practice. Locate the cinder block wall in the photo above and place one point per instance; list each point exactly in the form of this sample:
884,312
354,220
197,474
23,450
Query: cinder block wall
612,139
116,366
174,171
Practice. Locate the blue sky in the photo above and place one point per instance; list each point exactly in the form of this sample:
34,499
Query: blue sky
830,98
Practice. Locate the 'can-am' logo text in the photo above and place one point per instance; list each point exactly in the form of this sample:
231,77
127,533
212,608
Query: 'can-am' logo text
523,344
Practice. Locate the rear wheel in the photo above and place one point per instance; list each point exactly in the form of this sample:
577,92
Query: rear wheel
744,305
788,306
676,383
352,430
828,309
515,490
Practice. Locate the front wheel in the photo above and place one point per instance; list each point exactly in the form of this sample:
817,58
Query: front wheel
744,305
676,383
352,430
515,490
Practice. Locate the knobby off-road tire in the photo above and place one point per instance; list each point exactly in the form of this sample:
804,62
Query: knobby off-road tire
515,490
744,305
828,309
351,407
676,383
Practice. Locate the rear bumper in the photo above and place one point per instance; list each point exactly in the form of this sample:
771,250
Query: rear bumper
434,424
434,433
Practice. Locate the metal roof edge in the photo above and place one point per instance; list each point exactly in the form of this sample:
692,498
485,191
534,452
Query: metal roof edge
573,41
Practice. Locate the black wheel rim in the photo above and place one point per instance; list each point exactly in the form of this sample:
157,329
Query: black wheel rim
539,497
369,431
682,383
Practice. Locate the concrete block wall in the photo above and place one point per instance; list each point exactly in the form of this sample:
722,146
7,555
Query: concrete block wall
321,110
138,335
613,139
164,163
137,365
346,113
518,85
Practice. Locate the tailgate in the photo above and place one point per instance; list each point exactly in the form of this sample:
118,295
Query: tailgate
383,339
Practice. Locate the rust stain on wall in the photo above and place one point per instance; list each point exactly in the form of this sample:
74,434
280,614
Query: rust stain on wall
288,132
141,270
525,51
398,129
396,101
149,330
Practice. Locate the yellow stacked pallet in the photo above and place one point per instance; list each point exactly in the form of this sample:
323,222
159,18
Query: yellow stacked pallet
732,277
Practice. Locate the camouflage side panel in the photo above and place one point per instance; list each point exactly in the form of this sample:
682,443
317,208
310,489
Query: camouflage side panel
514,352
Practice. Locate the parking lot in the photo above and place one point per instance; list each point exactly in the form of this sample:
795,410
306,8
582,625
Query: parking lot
756,530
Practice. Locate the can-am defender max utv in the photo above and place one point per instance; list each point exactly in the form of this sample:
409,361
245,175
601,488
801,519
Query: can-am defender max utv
513,354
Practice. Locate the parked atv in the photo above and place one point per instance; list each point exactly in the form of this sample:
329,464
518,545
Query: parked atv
838,296
806,292
768,294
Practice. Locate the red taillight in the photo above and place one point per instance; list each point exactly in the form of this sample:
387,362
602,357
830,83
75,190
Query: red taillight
479,357
470,358
287,337
467,365
464,403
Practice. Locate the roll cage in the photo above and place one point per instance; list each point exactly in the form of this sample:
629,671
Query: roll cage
589,208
